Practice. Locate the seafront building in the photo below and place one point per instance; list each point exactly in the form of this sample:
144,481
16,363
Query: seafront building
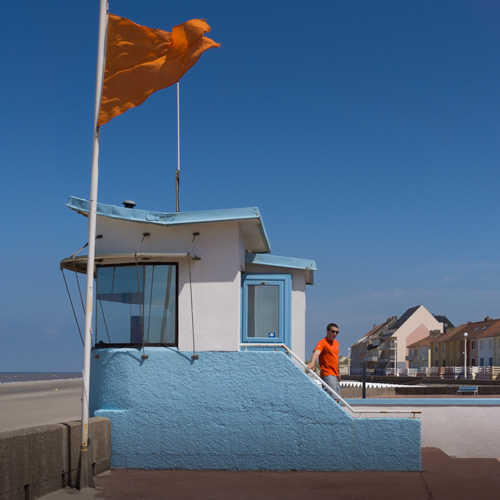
419,358
383,350
443,353
199,348
448,351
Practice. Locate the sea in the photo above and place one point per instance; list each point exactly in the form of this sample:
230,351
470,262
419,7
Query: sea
6,377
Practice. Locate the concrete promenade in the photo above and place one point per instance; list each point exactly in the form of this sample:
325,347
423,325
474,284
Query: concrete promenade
441,478
463,427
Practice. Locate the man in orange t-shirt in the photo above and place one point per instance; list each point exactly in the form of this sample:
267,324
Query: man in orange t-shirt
327,350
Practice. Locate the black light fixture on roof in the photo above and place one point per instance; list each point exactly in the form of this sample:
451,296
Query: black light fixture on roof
128,204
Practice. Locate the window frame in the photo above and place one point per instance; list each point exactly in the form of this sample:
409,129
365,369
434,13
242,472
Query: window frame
103,345
284,281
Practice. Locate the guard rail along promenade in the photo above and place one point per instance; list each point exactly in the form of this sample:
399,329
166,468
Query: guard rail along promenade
444,372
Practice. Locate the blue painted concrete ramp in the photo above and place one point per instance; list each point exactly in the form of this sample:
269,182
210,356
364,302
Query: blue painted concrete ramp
236,411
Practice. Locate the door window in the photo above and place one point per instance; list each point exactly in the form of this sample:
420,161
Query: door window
266,308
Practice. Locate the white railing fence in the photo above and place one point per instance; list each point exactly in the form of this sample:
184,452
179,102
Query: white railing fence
450,372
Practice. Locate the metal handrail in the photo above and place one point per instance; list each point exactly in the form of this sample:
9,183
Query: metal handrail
355,413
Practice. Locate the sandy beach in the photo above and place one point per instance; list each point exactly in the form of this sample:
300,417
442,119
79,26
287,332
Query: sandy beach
28,404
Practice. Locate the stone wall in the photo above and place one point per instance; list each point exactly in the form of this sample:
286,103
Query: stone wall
39,460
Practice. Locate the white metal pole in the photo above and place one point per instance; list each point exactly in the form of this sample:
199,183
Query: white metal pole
348,360
396,357
465,355
178,172
84,479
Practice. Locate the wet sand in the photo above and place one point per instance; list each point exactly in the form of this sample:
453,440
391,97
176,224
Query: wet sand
29,404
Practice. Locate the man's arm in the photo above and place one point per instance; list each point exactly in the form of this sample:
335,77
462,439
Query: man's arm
315,357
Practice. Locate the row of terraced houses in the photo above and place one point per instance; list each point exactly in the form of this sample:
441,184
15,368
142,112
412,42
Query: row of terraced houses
424,344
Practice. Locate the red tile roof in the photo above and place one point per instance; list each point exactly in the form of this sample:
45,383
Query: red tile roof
374,330
480,329
426,341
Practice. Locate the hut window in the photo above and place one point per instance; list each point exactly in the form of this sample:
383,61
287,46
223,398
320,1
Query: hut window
136,305
266,308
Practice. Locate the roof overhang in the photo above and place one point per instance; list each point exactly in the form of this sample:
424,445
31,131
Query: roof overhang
79,264
250,220
309,266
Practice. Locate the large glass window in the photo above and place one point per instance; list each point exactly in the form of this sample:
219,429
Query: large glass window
137,304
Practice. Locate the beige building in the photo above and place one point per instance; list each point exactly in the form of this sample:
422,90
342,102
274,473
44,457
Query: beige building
419,354
365,349
383,350
483,348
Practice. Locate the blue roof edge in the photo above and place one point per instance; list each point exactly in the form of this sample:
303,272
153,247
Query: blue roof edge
307,265
171,218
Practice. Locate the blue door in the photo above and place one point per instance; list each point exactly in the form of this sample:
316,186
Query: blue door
266,304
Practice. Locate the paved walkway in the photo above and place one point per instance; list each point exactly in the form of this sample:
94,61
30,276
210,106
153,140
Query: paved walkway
441,477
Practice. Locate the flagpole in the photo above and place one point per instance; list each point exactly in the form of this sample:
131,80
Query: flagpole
84,475
178,171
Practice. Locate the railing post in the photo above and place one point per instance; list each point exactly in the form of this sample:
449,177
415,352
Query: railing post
364,381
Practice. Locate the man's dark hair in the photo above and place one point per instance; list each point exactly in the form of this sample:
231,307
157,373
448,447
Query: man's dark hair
330,325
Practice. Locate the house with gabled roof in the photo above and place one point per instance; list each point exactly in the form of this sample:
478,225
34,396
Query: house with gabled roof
419,354
483,347
362,352
386,347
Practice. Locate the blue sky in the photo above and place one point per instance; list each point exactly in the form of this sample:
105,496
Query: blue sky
367,132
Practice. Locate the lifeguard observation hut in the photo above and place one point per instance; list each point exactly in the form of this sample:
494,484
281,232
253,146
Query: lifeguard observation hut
191,311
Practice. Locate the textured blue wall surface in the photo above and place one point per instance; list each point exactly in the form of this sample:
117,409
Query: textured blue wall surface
239,411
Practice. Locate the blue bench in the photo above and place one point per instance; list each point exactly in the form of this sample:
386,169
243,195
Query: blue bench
468,389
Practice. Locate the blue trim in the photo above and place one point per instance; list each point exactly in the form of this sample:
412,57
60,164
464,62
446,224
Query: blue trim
173,218
288,262
277,261
284,281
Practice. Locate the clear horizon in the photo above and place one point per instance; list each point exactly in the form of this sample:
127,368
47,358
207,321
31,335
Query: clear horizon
367,133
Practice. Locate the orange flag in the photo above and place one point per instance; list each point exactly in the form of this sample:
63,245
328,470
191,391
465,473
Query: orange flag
141,60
